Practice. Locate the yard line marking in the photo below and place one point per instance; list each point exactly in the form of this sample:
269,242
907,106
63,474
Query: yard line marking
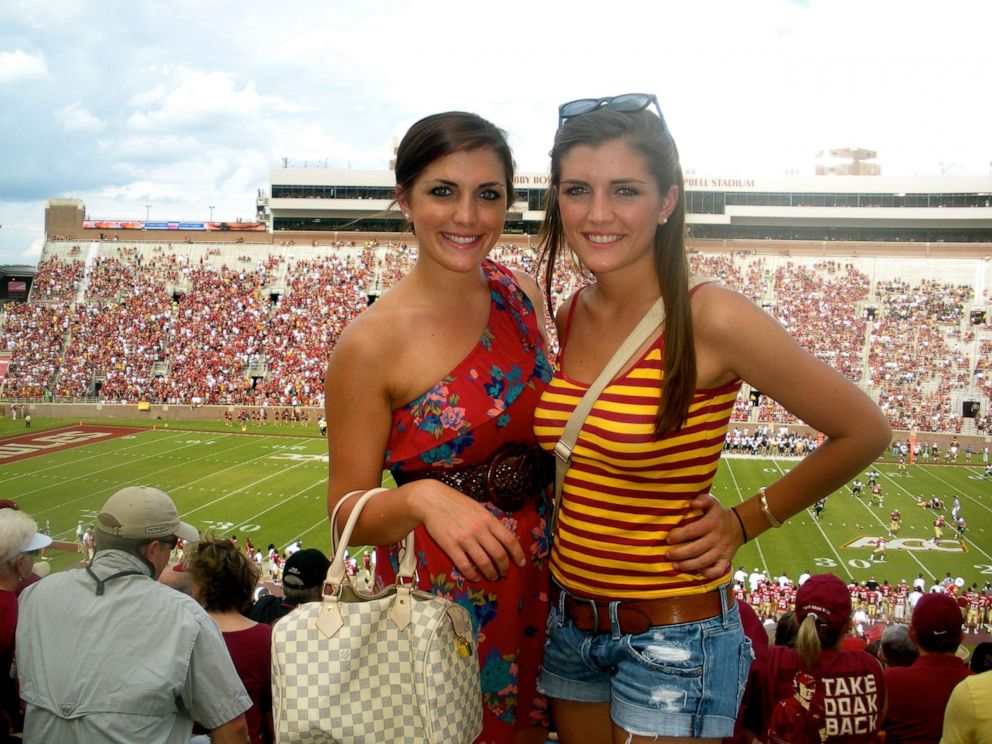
840,561
311,528
254,517
387,482
978,548
864,505
115,484
38,471
239,490
183,462
90,476
740,497
963,493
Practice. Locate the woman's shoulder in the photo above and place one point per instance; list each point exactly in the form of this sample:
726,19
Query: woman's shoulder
379,325
718,310
510,278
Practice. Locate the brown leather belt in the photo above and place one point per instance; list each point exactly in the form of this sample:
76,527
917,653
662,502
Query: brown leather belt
514,475
637,616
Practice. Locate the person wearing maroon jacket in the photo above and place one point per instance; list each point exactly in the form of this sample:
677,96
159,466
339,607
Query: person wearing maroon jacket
817,692
915,717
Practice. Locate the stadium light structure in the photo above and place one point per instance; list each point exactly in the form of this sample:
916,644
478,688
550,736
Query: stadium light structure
211,212
148,209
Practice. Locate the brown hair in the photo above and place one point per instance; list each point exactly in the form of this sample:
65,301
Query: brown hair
223,576
642,132
439,135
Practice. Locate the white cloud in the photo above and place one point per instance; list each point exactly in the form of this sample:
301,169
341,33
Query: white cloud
18,66
201,99
163,109
75,118
32,253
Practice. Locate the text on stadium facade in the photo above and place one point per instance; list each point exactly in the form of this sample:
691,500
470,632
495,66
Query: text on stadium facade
699,183
720,183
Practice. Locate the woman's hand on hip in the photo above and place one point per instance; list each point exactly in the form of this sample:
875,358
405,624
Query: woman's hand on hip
706,546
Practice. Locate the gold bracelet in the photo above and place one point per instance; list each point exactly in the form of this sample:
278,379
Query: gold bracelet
763,502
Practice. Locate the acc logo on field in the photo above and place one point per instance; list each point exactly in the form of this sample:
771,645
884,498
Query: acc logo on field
909,543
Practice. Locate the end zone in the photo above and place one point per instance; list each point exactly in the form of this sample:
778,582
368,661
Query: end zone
25,446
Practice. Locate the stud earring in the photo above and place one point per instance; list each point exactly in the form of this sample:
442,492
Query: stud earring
406,215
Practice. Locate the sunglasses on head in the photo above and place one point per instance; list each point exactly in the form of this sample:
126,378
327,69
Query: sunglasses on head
628,103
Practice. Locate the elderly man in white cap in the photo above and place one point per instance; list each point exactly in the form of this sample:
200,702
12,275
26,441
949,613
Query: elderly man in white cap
107,653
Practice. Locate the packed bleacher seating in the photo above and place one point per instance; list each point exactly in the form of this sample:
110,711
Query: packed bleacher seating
915,359
254,325
33,334
56,280
333,290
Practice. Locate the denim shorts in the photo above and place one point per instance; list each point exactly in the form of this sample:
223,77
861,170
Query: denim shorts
672,680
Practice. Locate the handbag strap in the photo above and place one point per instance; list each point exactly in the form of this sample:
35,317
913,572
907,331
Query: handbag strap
335,535
652,319
336,572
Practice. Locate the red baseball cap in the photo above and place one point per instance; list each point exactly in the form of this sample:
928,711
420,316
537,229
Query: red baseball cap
937,615
826,597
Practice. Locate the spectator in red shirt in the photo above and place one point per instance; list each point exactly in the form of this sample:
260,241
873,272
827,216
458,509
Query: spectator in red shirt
817,692
914,715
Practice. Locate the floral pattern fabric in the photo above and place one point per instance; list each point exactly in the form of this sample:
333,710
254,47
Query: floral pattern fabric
484,403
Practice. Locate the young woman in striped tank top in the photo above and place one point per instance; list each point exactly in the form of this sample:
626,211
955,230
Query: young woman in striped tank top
644,638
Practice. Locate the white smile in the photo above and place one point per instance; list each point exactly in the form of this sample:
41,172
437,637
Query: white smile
603,238
460,239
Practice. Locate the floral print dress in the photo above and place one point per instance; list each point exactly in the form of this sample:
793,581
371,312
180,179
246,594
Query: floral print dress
485,402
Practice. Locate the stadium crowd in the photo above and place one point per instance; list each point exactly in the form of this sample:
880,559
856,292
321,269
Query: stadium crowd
872,601
212,641
176,324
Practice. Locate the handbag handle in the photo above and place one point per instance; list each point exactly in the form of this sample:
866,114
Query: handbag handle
335,535
647,325
336,572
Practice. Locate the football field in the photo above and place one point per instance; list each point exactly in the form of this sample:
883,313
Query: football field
843,540
271,487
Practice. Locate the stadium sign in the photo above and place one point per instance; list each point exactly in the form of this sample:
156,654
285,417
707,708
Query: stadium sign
910,543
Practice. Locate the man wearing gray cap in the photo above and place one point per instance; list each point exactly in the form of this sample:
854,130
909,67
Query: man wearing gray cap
107,653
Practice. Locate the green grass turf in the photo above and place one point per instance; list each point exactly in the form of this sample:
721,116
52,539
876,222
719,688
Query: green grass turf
263,485
270,485
837,542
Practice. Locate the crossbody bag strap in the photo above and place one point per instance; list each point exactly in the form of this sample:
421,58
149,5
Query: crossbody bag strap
652,319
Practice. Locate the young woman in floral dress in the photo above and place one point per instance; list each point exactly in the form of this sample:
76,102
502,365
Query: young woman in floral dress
437,381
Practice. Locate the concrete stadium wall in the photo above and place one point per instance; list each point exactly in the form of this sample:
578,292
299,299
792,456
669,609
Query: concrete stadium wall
155,414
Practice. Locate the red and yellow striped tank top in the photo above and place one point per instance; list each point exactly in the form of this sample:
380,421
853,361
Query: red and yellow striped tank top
625,490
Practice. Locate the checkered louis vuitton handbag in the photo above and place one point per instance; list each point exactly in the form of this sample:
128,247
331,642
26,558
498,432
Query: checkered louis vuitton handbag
398,666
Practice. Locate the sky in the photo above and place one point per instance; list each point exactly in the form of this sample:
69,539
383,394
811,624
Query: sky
187,104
